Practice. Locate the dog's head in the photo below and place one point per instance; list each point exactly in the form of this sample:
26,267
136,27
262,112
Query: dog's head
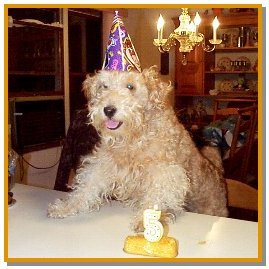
119,102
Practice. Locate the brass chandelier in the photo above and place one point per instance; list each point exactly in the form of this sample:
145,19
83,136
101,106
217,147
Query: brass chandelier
186,34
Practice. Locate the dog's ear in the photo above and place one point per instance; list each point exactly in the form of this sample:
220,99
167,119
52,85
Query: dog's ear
89,86
86,86
159,90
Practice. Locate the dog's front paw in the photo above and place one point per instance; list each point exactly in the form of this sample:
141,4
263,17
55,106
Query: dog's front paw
60,209
167,217
137,225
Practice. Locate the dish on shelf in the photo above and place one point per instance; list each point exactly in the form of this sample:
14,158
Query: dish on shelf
255,66
252,85
226,85
32,21
214,92
224,64
245,62
232,37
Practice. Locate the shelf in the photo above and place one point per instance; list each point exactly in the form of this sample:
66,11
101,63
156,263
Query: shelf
42,146
79,74
235,95
231,72
55,26
236,49
189,95
222,95
23,97
31,73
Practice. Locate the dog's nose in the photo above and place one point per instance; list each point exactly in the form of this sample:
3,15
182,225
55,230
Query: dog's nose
110,111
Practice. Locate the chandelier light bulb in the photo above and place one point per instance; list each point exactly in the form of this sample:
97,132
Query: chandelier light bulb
192,27
197,19
160,23
215,27
215,23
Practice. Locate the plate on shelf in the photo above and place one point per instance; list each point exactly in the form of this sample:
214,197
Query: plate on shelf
226,85
245,59
32,21
232,37
255,66
252,85
224,64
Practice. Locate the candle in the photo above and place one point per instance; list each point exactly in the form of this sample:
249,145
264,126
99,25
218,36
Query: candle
192,27
160,24
153,228
215,27
197,21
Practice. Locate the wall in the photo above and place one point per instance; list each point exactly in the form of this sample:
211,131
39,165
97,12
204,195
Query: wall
39,177
142,26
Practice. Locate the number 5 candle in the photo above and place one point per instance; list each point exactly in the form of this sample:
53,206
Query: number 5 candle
153,228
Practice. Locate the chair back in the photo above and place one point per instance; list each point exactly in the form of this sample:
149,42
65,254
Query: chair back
246,121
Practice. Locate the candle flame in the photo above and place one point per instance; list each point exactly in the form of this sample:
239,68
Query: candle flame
160,23
215,23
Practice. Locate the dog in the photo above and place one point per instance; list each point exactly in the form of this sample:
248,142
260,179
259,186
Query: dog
145,157
81,139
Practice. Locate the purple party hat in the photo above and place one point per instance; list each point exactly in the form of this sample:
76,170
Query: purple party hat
120,52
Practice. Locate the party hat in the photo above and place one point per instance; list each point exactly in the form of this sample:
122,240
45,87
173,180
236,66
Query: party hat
120,52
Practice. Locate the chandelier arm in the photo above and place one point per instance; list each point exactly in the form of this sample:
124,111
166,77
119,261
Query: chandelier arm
208,48
170,42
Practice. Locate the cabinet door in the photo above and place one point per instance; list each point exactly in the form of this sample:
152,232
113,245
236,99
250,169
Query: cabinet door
189,77
35,52
36,124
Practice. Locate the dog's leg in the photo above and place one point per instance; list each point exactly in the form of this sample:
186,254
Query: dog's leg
167,188
92,189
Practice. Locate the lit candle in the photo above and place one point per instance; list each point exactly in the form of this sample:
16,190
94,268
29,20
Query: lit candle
192,27
160,24
153,228
215,27
197,21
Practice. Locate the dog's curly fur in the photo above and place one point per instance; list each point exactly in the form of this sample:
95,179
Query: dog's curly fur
147,158
81,140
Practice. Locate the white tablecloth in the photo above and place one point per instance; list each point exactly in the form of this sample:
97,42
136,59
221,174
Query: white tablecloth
31,234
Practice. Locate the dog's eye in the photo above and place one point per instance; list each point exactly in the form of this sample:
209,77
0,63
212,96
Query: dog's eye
103,86
130,86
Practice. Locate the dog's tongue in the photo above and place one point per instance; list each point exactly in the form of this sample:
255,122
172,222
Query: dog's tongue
112,124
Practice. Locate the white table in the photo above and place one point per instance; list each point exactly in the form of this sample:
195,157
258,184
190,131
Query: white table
31,234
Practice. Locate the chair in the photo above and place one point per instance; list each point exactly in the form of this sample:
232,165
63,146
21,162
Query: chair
242,200
241,195
237,163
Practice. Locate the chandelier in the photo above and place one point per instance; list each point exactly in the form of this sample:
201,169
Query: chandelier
186,34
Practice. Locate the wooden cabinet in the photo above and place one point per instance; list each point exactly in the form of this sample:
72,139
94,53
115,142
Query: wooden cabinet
35,78
190,77
232,68
229,70
50,51
35,58
85,51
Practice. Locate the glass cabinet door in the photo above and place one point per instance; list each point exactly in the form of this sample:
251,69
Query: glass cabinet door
35,53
